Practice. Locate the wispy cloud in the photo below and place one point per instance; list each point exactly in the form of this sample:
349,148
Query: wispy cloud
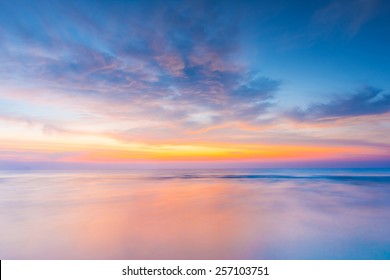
349,15
177,62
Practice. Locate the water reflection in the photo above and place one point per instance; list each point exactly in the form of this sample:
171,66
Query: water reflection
195,215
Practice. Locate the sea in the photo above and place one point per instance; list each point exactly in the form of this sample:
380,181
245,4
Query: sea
289,214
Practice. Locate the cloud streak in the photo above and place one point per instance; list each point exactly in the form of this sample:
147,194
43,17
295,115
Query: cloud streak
346,14
364,102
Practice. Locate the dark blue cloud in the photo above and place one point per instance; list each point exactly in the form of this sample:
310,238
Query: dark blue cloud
367,101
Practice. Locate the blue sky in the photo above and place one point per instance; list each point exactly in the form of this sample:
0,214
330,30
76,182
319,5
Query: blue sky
248,82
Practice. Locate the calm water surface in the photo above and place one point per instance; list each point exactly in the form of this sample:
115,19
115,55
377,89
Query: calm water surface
195,214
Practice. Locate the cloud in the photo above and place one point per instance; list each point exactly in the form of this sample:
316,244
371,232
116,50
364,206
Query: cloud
366,101
159,62
349,15
329,21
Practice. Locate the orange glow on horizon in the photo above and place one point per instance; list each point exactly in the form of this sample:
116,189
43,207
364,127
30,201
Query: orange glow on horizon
210,154
128,152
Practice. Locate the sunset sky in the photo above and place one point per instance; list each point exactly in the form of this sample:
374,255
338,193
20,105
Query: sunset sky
194,83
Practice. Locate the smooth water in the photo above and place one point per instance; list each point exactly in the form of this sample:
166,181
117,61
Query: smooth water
195,214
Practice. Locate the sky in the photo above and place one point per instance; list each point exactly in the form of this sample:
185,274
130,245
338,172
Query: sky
194,84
